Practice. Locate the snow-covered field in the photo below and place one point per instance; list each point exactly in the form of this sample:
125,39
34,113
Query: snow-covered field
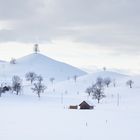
117,117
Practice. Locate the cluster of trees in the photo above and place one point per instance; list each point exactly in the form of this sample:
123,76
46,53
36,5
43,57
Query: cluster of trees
38,86
16,87
35,80
96,91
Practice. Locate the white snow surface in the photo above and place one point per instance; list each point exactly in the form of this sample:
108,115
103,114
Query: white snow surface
25,117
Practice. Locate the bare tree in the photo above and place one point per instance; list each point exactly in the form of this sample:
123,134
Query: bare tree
39,78
16,84
13,61
98,91
36,48
89,90
52,80
107,81
30,76
104,68
38,88
100,81
129,83
75,78
114,82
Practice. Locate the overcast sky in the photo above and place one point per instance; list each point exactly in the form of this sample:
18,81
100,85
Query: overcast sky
84,33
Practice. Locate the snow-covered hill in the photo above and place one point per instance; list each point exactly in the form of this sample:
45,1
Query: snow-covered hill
40,64
85,81
117,116
2,61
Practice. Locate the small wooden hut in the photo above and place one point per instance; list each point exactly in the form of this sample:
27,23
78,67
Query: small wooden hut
86,105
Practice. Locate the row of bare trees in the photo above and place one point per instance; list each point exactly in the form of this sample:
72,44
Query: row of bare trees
36,81
38,87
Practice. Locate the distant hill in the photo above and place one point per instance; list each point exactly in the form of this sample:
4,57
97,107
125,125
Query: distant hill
42,65
87,80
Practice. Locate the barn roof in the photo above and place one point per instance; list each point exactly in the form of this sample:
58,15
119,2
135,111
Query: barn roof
88,102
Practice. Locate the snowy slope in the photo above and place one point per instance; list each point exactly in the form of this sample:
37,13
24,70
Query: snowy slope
110,74
40,64
87,80
117,117
2,61
26,117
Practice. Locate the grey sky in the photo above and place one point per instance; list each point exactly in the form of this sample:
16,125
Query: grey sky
104,21
110,24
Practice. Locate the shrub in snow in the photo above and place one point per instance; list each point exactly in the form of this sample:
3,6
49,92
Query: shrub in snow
30,76
16,84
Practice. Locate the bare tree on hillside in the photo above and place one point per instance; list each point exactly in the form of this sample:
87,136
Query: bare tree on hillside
52,80
104,68
100,81
114,82
75,78
13,61
129,83
16,84
30,76
107,81
98,91
89,90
